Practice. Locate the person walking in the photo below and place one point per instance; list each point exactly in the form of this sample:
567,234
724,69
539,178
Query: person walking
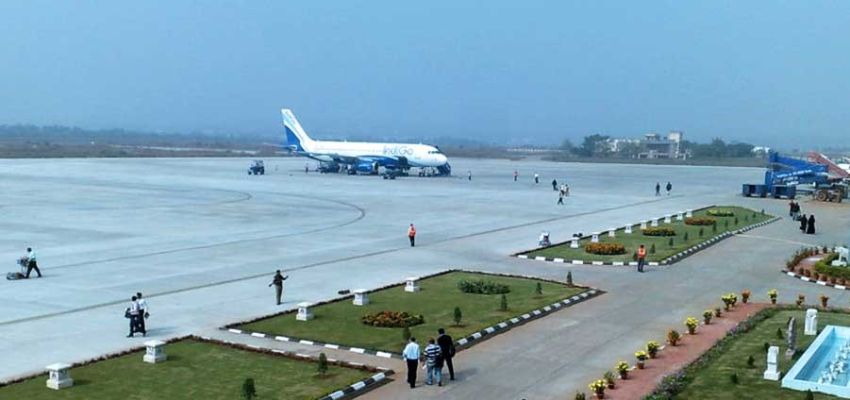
561,198
641,257
411,357
516,175
810,228
554,184
277,281
469,175
133,313
306,168
803,223
658,188
536,178
411,234
791,209
669,187
143,312
447,348
32,264
433,363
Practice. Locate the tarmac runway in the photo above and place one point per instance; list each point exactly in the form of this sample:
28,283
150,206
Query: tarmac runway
201,239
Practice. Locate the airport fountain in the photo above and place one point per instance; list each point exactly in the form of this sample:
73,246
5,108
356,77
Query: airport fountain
825,366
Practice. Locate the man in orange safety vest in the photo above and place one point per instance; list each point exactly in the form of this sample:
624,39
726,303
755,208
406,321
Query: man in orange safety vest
411,234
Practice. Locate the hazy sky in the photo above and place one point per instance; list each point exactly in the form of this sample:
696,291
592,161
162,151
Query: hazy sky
768,72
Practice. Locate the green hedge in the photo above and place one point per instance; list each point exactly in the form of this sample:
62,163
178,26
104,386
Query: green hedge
823,267
482,287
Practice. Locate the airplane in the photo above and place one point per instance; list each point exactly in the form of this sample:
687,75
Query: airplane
363,157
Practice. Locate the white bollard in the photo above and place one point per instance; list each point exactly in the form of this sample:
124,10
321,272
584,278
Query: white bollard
574,243
612,232
595,238
689,213
360,297
628,230
154,352
643,224
668,219
411,284
304,312
654,223
811,322
680,216
771,372
58,376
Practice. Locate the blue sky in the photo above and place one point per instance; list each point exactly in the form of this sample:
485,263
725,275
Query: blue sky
773,73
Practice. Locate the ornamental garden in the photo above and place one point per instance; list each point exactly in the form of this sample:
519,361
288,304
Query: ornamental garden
759,352
461,302
661,241
196,369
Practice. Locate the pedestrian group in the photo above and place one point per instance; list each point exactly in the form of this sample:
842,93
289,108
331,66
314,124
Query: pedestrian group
437,353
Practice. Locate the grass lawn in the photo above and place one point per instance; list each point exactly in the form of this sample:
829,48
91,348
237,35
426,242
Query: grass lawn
339,322
194,370
662,247
713,382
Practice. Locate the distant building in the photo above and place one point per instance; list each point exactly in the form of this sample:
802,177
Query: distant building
657,146
617,145
760,151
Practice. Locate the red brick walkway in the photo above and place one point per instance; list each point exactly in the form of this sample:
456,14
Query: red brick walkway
641,382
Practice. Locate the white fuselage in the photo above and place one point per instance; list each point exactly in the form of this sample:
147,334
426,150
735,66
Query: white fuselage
417,155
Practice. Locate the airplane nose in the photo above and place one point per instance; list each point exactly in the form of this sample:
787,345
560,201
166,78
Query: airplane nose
442,159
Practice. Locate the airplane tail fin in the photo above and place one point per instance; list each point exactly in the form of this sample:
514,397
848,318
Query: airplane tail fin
296,138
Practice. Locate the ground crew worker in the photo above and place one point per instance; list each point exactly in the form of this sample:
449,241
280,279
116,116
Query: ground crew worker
277,281
411,234
641,254
516,175
554,184
31,262
536,178
658,188
669,188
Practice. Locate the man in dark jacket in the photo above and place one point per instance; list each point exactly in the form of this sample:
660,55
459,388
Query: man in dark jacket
277,281
447,346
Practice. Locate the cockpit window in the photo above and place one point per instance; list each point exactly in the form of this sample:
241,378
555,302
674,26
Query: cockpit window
435,152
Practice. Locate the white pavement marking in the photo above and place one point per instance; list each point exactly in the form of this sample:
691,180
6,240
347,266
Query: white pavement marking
383,354
357,350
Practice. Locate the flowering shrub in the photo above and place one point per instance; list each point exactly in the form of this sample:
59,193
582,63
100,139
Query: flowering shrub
598,386
714,212
673,337
692,324
801,299
706,316
623,368
392,319
824,300
652,348
703,221
641,355
605,248
482,287
772,293
729,299
659,231
745,295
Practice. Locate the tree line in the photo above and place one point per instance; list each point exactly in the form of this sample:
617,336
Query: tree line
601,146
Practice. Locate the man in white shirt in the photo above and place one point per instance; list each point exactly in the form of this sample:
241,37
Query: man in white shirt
143,312
411,357
31,262
133,311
